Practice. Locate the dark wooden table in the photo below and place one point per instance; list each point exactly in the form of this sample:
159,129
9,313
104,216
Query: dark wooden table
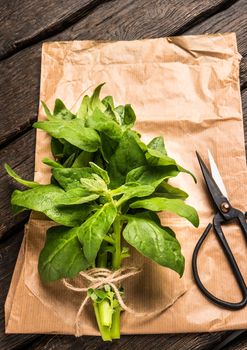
24,25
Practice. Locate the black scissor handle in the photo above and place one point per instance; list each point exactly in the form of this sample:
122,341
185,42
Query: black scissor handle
218,220
242,221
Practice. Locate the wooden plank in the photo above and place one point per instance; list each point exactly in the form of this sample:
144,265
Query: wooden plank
20,156
8,254
48,342
238,344
244,107
26,22
197,341
235,338
243,73
114,21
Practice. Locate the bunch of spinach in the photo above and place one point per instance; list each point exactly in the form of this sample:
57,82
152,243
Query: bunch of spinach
106,188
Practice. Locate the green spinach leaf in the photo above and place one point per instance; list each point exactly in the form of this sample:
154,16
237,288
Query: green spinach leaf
168,191
101,172
17,178
133,190
52,163
61,111
158,144
151,175
101,122
70,177
127,156
150,215
155,157
72,131
46,109
77,195
84,109
62,255
95,184
176,206
57,149
95,100
108,101
154,242
69,161
83,159
108,147
91,233
48,200
129,117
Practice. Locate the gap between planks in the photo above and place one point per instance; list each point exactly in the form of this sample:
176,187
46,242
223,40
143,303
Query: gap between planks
52,29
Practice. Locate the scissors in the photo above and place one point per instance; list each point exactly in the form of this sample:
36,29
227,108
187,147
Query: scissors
224,213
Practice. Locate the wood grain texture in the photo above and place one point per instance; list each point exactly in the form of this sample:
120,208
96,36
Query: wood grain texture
238,344
243,73
26,22
204,341
20,156
244,107
8,254
115,20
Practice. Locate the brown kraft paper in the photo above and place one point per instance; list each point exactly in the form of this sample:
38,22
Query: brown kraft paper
186,89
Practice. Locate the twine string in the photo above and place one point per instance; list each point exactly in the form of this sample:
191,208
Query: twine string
99,277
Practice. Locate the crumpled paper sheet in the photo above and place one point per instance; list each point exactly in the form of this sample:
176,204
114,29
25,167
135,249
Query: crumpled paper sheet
186,89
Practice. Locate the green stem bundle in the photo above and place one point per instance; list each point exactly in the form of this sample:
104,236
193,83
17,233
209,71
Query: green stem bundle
104,330
107,311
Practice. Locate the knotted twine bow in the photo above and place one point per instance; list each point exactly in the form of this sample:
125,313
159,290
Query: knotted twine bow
97,278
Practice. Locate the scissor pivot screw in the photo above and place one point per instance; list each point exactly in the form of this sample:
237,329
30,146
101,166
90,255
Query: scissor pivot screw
225,207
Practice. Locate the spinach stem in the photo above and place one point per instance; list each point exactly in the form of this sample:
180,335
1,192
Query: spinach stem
121,200
116,257
104,331
102,259
115,328
109,239
105,313
102,255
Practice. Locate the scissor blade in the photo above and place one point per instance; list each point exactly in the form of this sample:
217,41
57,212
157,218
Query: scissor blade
213,189
216,174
